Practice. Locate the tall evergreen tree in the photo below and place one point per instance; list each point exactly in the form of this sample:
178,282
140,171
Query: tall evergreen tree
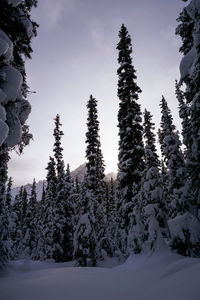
58,133
43,192
4,219
17,30
59,201
94,164
95,173
31,232
19,222
131,149
92,194
69,209
171,151
188,29
85,240
47,226
17,230
151,191
184,113
8,193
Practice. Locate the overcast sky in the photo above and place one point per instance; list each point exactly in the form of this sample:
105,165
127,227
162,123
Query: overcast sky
75,55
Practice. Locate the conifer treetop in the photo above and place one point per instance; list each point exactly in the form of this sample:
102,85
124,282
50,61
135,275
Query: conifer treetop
58,133
127,87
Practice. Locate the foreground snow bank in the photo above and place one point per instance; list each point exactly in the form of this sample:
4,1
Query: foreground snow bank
163,276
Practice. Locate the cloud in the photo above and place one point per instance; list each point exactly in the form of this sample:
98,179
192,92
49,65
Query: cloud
50,12
23,169
102,33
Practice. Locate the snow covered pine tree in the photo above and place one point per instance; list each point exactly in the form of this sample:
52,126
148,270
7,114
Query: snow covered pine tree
189,29
92,196
151,194
131,149
16,33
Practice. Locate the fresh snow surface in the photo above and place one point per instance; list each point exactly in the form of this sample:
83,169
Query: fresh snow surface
186,64
6,46
161,276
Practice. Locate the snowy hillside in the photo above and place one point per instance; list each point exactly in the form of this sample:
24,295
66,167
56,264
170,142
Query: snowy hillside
28,186
165,276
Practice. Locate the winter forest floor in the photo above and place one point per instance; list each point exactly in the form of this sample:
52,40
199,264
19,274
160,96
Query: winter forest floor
162,276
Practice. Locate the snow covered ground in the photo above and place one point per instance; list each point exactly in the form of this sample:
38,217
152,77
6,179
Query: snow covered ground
165,276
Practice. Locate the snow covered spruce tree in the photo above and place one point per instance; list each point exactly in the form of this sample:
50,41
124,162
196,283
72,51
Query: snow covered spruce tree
93,188
30,239
17,232
47,223
174,159
63,208
85,240
151,194
59,213
131,149
178,198
188,29
4,216
69,210
184,114
59,222
16,33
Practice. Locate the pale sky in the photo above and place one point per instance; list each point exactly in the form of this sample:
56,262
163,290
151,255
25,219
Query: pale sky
75,55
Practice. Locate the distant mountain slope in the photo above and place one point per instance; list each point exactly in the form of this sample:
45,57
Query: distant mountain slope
78,172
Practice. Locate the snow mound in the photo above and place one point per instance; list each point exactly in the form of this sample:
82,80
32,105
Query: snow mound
185,222
165,276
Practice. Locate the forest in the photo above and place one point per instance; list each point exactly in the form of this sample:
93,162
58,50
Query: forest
153,204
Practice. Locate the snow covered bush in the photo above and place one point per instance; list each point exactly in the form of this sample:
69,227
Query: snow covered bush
185,240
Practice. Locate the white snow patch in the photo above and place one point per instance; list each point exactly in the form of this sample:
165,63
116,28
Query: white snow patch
14,134
6,46
12,85
185,222
186,63
165,276
2,113
28,26
3,131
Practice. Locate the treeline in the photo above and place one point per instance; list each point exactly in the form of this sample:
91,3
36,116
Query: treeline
156,202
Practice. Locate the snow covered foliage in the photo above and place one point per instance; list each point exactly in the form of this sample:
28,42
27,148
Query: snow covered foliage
47,218
30,238
15,43
174,159
16,33
95,172
151,207
151,193
190,110
19,213
185,240
131,150
62,207
4,212
85,242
